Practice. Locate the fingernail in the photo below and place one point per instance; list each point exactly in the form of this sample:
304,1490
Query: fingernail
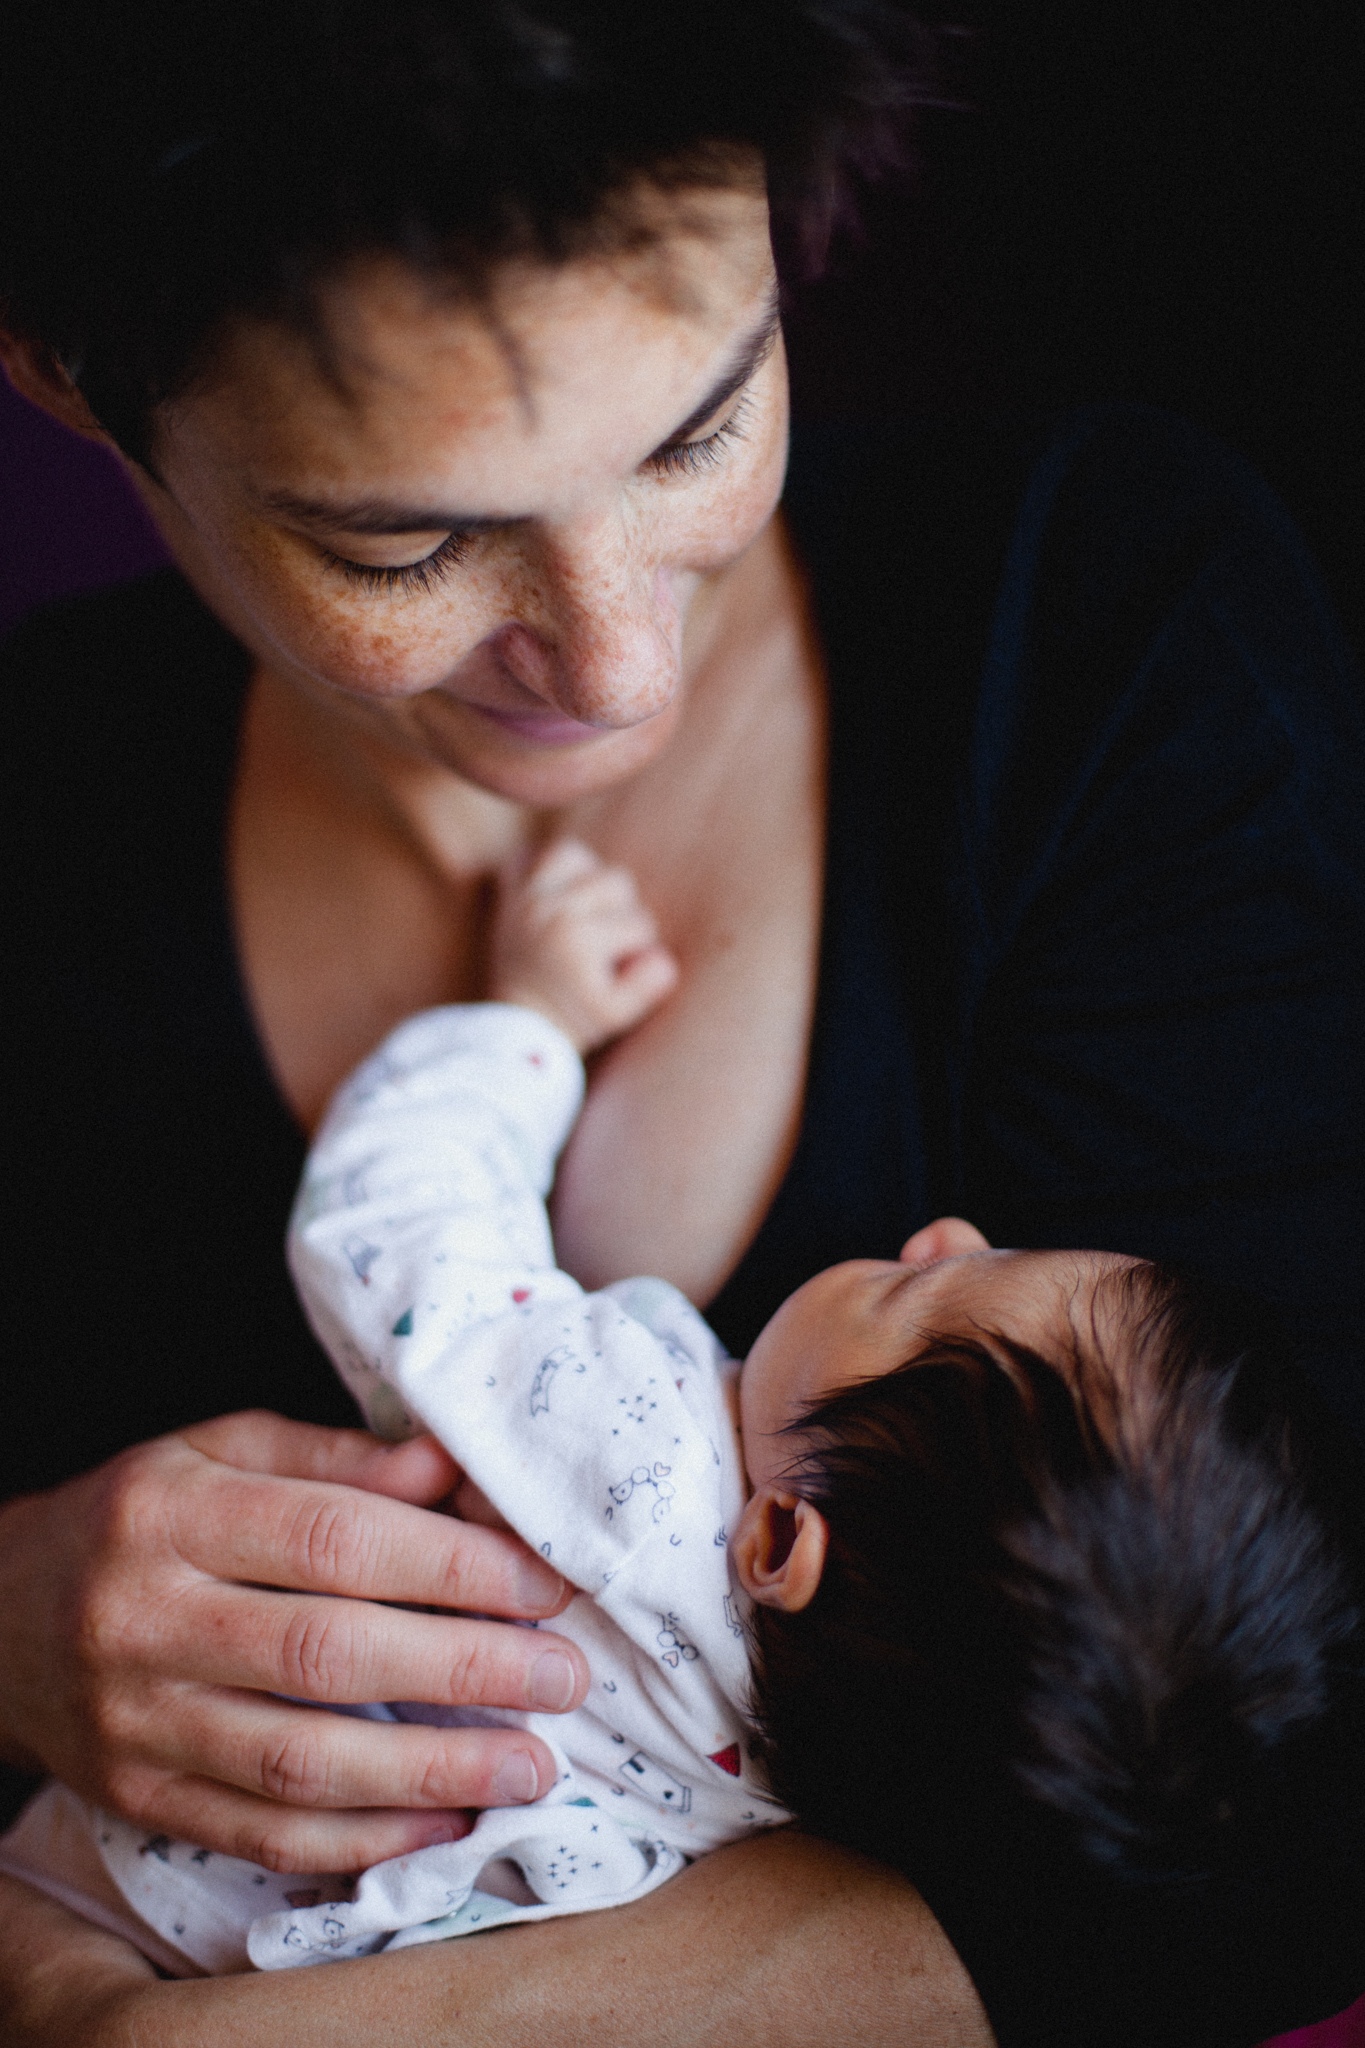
553,1682
518,1780
538,1585
451,1827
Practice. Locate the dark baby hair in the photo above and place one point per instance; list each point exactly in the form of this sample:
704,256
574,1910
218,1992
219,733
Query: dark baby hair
1108,1628
167,165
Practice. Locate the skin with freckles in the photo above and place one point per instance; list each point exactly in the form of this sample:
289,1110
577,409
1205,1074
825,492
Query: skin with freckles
505,570
614,644
551,665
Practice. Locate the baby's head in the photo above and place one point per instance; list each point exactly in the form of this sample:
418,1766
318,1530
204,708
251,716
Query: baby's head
1024,1522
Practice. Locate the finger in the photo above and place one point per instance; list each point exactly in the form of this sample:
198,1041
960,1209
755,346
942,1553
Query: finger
256,1440
562,864
647,977
637,990
512,872
302,1757
335,1539
599,894
602,925
420,1471
472,1504
234,1823
344,1652
607,934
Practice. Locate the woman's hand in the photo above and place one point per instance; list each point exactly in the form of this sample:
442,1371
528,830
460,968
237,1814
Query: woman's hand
151,1610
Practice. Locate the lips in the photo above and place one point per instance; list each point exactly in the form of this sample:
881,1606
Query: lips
542,728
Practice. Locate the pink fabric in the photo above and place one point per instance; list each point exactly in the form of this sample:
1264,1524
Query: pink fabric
1347,2030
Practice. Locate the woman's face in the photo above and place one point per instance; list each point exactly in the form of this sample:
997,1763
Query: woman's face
485,539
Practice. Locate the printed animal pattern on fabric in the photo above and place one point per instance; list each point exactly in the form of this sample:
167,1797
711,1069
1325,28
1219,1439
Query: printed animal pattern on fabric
596,1424
575,1861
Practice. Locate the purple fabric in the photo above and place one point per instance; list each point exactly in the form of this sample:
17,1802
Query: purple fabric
69,519
1347,2030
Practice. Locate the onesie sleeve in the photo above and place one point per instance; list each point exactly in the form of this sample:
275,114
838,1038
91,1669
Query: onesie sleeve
420,1244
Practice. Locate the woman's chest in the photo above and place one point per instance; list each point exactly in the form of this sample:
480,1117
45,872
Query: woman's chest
691,1120
345,926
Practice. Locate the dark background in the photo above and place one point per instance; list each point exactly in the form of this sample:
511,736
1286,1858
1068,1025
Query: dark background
1144,202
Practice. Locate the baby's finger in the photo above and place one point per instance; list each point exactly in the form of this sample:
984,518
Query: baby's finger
607,933
610,892
642,982
562,864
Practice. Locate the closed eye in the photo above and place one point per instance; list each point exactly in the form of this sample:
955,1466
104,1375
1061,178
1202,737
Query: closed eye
674,459
693,458
422,575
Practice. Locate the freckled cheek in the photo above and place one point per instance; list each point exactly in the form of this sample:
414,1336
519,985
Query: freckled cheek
375,644
715,526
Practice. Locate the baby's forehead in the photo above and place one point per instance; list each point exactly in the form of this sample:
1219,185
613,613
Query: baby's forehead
1069,1307
1054,1283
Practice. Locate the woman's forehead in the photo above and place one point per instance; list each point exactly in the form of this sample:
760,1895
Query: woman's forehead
579,360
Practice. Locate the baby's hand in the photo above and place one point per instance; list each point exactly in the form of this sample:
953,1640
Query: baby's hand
572,939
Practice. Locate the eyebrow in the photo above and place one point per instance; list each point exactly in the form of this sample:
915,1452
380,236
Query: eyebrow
381,516
375,515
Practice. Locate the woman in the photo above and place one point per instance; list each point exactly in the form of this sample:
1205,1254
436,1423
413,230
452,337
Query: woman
1018,872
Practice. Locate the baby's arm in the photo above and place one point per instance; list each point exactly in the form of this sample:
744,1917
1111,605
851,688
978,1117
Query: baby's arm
420,1241
429,1173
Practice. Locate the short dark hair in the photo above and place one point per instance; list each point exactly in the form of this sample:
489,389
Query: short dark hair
1111,1627
169,164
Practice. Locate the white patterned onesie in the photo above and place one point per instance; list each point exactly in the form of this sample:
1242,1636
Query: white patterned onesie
596,1424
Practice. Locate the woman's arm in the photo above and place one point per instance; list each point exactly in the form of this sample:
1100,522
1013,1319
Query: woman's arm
780,1939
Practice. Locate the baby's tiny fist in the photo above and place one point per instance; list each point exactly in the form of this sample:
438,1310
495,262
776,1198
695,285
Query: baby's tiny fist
573,940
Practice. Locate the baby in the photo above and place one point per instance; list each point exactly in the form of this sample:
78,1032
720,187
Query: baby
969,1524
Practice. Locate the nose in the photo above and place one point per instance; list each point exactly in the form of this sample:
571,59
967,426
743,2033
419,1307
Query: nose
604,641
600,625
947,1237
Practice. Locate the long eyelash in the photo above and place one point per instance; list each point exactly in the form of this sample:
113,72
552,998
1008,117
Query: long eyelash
692,458
423,575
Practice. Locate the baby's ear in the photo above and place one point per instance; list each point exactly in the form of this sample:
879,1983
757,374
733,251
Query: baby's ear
779,1549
